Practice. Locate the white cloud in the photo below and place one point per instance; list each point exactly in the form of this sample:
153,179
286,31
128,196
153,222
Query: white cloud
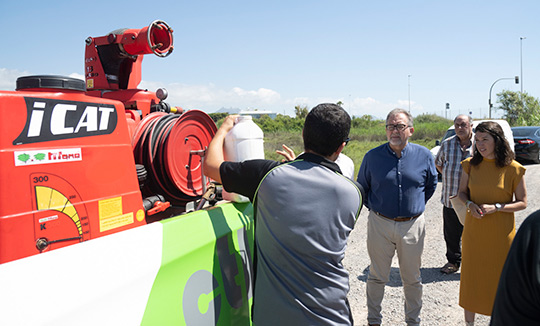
211,98
8,78
76,75
262,94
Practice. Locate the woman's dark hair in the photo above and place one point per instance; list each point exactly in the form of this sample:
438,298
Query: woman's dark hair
503,153
326,127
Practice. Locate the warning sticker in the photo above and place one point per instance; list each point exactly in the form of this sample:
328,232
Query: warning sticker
113,222
110,207
110,214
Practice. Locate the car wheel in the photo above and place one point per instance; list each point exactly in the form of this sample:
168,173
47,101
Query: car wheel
537,161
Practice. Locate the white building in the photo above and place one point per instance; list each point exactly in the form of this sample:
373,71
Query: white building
258,114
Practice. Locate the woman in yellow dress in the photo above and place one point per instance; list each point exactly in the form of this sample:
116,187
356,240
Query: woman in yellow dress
493,188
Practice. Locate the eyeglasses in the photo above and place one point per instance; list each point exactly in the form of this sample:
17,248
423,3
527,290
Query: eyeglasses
346,141
399,127
462,126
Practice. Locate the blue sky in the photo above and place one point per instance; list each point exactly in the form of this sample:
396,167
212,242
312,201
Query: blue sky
273,55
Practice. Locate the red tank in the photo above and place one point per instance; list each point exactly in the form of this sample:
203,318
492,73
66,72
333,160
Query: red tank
67,172
77,157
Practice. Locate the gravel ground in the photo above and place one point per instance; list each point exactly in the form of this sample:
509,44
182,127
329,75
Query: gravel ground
441,291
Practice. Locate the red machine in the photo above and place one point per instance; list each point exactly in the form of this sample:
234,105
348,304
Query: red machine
82,160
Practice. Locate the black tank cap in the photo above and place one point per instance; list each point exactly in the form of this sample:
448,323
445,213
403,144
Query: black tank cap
51,81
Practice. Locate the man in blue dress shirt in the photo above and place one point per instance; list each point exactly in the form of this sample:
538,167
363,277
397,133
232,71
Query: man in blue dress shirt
398,178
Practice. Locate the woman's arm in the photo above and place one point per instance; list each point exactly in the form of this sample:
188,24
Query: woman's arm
463,195
520,202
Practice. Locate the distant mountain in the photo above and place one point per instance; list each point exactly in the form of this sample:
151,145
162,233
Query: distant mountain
229,110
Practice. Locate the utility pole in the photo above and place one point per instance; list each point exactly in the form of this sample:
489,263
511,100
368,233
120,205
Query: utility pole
521,60
409,93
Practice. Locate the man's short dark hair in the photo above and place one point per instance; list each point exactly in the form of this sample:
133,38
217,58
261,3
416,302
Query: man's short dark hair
326,127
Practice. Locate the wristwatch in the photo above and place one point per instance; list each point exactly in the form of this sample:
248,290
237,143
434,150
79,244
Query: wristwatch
498,206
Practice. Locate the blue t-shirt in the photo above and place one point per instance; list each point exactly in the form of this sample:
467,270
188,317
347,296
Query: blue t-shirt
398,187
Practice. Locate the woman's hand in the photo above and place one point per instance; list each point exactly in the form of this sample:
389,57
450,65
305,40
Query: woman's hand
488,208
476,211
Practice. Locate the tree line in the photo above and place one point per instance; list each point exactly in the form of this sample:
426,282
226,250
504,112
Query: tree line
520,109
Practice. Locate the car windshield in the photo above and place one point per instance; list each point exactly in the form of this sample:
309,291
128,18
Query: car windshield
523,132
449,133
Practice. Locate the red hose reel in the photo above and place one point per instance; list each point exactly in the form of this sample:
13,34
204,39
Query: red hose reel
171,147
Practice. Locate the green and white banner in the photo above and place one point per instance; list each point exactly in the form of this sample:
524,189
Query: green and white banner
192,269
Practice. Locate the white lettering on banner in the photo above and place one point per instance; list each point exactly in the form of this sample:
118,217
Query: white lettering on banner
88,119
36,120
58,119
52,119
105,114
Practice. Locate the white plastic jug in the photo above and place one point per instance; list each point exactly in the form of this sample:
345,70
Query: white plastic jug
243,142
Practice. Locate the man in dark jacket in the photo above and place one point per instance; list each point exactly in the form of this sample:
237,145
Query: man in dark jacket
518,295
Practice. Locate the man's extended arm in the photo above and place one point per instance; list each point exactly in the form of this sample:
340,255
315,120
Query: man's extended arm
214,155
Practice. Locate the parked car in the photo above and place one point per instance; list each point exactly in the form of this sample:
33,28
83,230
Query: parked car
451,132
526,141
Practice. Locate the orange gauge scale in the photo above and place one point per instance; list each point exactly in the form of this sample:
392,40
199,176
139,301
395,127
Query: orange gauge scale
60,217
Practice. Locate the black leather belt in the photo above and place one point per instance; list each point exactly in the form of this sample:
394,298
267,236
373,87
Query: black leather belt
397,219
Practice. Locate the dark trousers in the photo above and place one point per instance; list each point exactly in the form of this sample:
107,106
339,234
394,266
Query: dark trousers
452,235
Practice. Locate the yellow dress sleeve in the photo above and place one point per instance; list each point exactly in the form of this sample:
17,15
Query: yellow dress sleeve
519,172
466,165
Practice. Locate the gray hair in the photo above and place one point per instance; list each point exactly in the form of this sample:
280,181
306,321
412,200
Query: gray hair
463,115
398,111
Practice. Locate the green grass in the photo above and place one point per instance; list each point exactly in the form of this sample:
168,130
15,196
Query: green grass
356,149
365,134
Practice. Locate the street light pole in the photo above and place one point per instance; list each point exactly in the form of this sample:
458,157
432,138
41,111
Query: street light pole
516,78
350,106
521,60
409,93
